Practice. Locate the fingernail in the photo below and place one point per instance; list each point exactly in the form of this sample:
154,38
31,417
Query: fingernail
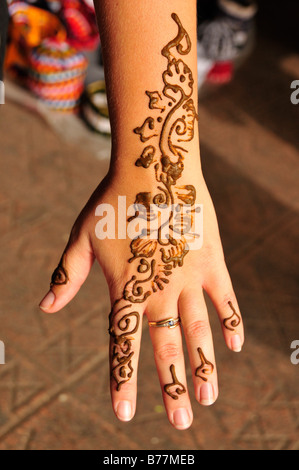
206,394
124,411
47,301
181,418
236,343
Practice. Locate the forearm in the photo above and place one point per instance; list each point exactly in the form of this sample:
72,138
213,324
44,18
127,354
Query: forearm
134,38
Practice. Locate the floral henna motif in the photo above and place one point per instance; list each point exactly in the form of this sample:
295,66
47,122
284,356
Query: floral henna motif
233,321
60,275
179,388
205,368
165,134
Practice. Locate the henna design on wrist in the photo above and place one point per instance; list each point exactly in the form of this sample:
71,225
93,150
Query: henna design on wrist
60,276
233,321
165,133
205,368
179,387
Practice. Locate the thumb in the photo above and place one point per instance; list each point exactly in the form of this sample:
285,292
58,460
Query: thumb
70,274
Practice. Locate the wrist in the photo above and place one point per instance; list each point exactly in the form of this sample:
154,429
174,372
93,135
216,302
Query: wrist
132,165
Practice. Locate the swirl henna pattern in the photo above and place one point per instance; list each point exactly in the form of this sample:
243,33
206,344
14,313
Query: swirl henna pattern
60,276
165,134
205,368
179,388
233,321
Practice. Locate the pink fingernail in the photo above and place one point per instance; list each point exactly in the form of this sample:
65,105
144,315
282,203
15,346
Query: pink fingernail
124,411
181,418
47,301
206,394
236,343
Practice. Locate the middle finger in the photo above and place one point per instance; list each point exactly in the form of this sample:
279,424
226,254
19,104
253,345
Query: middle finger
169,358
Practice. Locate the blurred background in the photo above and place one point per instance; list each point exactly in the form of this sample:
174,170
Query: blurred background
55,148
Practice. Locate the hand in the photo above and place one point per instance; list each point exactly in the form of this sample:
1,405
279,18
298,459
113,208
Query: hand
181,297
156,274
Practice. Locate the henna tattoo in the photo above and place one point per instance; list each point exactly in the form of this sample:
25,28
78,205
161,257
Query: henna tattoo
233,321
121,357
136,291
177,41
179,387
155,98
60,275
147,156
169,128
205,368
148,123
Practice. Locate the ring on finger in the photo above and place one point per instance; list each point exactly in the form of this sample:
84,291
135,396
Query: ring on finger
168,323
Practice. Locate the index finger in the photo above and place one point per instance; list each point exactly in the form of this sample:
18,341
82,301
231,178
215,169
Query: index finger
125,338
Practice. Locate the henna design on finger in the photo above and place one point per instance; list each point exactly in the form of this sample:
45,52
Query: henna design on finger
122,354
179,387
165,135
233,321
205,368
60,276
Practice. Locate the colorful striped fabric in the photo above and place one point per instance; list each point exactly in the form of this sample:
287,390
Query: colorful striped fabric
56,74
54,70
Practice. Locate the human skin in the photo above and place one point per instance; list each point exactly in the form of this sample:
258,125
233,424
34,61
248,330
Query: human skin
136,39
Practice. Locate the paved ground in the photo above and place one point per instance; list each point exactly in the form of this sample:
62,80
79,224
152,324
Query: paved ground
51,395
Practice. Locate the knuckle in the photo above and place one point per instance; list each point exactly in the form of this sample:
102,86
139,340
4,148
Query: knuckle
212,253
168,352
198,329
